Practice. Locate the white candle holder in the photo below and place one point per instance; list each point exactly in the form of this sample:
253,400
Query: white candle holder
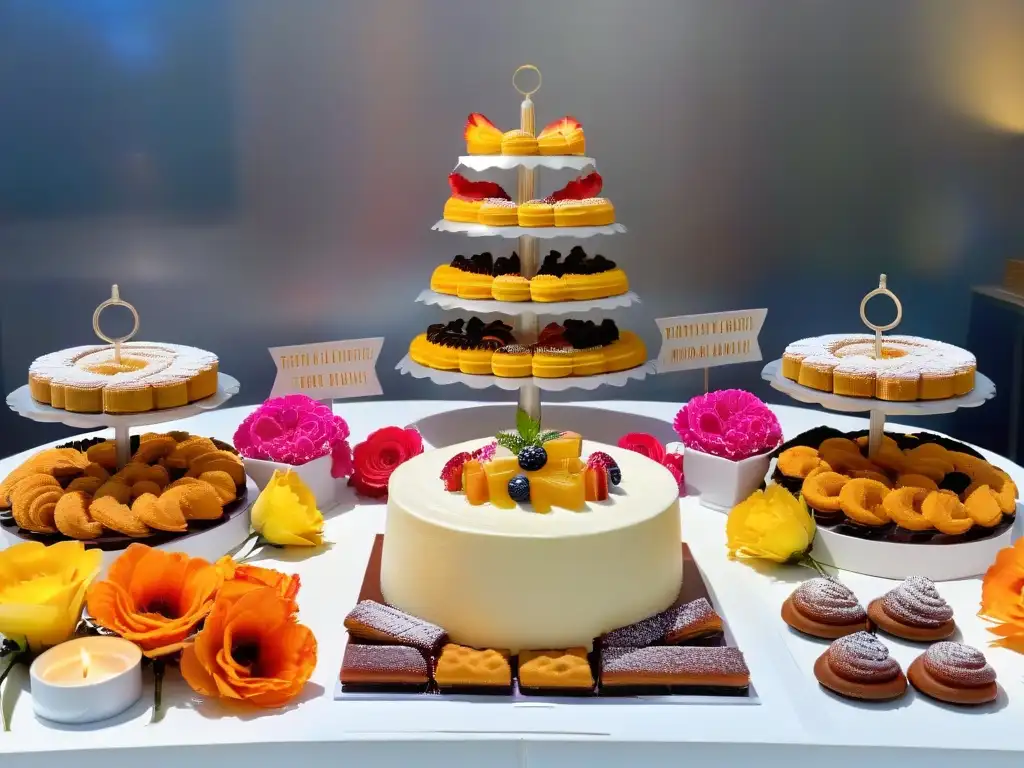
66,690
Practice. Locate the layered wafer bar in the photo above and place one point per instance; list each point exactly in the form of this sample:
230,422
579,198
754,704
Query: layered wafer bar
695,620
394,668
673,669
378,623
467,670
641,634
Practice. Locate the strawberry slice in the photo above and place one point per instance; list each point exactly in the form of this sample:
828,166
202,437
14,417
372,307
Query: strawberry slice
452,472
580,188
563,125
478,125
465,189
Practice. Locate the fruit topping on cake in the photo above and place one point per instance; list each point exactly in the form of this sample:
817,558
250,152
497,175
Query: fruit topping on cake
606,462
482,136
580,188
533,458
464,189
519,489
452,471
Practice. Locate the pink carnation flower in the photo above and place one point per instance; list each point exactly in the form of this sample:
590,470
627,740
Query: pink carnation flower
295,430
729,423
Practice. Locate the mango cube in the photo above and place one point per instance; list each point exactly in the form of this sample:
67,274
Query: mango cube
563,448
558,489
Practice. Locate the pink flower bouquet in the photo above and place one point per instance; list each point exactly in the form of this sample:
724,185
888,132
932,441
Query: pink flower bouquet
730,423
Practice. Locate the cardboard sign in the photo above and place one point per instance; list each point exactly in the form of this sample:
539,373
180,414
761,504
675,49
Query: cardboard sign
330,370
704,341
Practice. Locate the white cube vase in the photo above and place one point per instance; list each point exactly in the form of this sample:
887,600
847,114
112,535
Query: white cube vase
315,474
720,482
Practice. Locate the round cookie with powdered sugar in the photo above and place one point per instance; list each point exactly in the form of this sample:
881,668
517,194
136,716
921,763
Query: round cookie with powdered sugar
954,673
913,611
824,608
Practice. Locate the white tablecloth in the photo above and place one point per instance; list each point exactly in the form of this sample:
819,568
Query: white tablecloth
795,723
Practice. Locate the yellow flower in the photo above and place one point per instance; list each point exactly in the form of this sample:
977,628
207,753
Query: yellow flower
771,524
285,512
42,590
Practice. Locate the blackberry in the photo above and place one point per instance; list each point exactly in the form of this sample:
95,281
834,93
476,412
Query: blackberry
519,488
532,458
614,474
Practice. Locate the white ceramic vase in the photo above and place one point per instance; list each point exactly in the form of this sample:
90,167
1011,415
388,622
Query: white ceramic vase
315,474
720,482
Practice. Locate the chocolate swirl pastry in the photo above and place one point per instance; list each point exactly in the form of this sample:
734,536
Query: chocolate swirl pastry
586,334
576,263
860,666
474,334
824,608
954,673
913,611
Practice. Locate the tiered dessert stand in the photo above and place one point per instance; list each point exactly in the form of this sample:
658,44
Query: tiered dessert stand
20,400
526,315
880,558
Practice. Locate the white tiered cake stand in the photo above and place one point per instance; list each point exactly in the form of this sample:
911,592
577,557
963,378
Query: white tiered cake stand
210,543
883,558
526,315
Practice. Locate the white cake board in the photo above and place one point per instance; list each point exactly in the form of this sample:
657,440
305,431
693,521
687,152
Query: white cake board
417,371
507,162
983,391
515,308
210,544
20,401
482,230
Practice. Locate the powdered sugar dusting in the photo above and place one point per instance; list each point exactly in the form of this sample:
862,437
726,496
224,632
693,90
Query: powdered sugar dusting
645,632
958,665
917,603
828,601
862,658
675,660
694,615
395,624
385,658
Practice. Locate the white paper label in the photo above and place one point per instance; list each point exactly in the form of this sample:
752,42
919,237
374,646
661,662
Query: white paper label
330,370
704,341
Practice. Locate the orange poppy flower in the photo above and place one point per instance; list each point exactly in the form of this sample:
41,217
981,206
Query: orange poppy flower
1002,596
239,579
154,598
251,649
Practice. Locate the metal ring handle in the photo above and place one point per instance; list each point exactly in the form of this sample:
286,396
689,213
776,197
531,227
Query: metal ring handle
526,68
114,301
881,290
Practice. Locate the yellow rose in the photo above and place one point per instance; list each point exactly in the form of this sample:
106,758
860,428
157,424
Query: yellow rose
285,513
771,524
42,590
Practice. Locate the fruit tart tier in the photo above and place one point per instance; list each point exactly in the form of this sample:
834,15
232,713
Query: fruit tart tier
910,368
175,483
548,547
577,277
563,136
917,489
575,348
147,377
484,202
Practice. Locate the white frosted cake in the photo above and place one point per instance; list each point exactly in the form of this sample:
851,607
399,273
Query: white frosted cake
515,579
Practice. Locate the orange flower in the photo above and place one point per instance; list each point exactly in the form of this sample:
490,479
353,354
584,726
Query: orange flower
239,579
1002,596
154,598
251,649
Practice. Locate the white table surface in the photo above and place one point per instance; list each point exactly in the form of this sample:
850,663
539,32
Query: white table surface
795,723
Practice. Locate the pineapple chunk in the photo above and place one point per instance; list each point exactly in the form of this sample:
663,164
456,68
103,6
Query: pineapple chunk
563,448
559,489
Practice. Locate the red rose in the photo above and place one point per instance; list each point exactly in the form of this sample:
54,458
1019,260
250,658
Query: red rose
645,444
673,462
375,459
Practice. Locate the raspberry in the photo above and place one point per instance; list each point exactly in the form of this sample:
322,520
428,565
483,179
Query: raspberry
532,458
452,472
607,463
519,488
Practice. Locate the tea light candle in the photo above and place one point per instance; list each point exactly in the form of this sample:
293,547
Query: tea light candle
86,680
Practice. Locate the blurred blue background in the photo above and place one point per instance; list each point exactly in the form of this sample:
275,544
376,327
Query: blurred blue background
260,172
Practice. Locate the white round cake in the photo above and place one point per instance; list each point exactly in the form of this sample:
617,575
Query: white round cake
515,579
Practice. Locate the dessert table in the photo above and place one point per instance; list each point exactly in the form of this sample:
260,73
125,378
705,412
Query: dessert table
792,720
